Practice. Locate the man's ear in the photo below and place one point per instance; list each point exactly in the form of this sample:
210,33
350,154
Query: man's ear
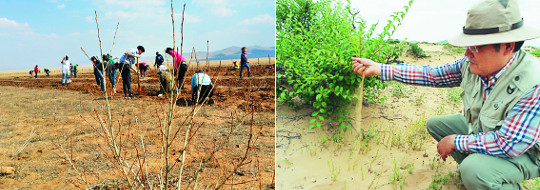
509,47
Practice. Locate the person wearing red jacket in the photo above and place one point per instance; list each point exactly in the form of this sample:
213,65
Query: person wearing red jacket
179,65
36,70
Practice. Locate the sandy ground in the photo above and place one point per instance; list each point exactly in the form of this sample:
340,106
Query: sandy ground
387,149
37,115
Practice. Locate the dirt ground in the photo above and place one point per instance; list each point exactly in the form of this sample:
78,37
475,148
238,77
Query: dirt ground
37,115
387,149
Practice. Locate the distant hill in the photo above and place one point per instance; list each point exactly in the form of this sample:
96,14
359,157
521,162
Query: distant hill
232,52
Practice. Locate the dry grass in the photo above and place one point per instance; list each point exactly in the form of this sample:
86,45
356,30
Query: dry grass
57,113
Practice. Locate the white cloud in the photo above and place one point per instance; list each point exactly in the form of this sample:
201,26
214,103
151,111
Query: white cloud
51,35
218,7
120,15
259,19
6,23
61,6
189,18
117,3
15,29
224,11
133,3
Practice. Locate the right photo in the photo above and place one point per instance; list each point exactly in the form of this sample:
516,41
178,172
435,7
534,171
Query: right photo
398,94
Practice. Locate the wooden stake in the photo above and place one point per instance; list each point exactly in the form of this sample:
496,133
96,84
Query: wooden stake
138,76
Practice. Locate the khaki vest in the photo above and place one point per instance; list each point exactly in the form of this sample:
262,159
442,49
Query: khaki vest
517,80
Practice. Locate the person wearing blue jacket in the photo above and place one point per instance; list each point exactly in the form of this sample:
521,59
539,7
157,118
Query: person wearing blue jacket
244,62
98,72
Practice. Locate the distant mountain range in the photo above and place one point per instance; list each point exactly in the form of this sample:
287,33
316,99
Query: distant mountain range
232,52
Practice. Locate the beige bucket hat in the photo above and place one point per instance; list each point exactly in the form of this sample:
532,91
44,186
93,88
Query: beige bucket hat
493,22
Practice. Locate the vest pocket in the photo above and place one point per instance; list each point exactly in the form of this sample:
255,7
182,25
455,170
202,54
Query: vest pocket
488,123
468,97
492,115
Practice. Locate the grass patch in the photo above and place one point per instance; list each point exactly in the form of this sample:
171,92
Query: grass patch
438,181
419,100
454,50
334,171
398,90
454,94
418,134
397,179
536,52
367,136
531,184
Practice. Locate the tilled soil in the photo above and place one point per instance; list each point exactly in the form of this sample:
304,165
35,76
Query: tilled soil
36,115
230,90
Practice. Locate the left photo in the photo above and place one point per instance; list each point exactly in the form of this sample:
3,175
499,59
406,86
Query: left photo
137,94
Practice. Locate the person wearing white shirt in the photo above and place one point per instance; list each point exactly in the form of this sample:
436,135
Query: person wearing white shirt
126,61
65,70
201,87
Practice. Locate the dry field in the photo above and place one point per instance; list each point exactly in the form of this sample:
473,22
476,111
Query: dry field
39,115
389,147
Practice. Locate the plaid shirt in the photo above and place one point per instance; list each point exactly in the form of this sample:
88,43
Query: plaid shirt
520,130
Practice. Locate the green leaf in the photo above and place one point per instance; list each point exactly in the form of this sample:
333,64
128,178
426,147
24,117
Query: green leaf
321,118
312,120
318,125
283,96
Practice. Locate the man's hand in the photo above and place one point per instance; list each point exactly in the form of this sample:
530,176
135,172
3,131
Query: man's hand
370,67
446,146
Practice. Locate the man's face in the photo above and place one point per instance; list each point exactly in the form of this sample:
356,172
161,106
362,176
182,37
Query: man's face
139,51
244,50
487,61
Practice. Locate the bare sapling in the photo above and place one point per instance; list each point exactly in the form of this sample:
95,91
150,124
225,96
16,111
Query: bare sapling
110,53
68,157
124,146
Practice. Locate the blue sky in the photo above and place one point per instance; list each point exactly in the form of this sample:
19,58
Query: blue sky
43,31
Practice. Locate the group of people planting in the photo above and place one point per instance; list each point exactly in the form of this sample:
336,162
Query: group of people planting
201,84
68,70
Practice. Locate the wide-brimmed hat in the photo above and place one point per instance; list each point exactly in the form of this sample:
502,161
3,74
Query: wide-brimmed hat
493,22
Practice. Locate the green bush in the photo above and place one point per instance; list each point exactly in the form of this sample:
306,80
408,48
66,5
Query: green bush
315,42
417,51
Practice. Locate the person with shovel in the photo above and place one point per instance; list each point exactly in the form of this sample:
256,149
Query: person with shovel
75,70
36,70
98,72
179,65
65,70
159,60
126,61
111,70
165,80
495,139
